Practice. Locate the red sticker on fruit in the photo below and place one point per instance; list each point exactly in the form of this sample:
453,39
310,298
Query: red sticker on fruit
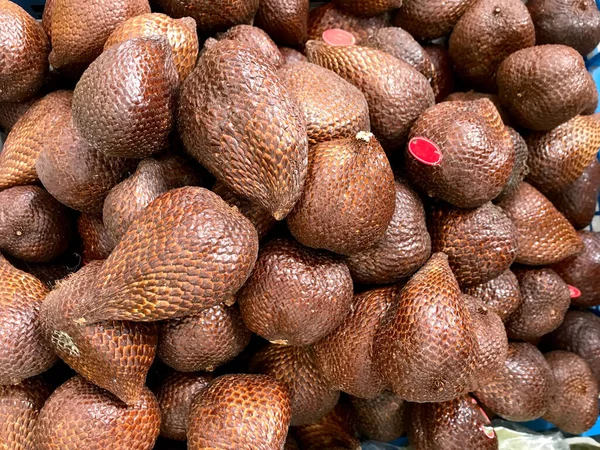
337,37
574,292
425,151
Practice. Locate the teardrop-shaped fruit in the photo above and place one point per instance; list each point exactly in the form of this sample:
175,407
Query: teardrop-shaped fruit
257,39
574,404
205,341
349,197
460,152
181,34
245,412
488,32
295,295
544,86
113,355
396,92
286,21
425,348
11,112
333,108
311,395
251,136
23,351
442,81
454,425
186,252
28,137
345,357
80,415
520,169
96,241
124,103
367,8
175,396
25,48
501,294
380,418
544,235
33,226
290,56
522,390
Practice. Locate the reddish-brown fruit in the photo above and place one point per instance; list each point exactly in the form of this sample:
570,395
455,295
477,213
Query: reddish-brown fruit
257,39
47,17
472,95
175,396
80,415
250,136
442,81
11,112
522,390
520,169
367,8
245,412
380,418
289,56
295,295
501,295
96,241
286,21
50,273
28,137
544,235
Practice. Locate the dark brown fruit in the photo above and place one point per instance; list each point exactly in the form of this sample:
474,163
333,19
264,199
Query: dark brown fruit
33,226
257,39
28,137
544,235
522,391
395,91
501,295
245,412
186,252
113,355
367,8
25,48
425,348
592,103
311,395
286,21
404,248
471,95
80,415
175,396
476,154
488,32
455,425
380,418
544,86
11,112
290,443
333,108
349,196
575,23
96,241
520,169
289,56
442,81
251,137
345,357
23,350
50,273
574,405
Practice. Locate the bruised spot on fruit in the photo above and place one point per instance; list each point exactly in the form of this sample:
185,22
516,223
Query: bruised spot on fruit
425,151
62,340
575,293
338,37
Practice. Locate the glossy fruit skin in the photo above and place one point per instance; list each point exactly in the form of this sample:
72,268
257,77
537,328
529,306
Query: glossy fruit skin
501,294
266,171
442,81
147,279
246,412
291,55
25,49
284,20
521,392
380,418
29,136
544,86
80,415
521,167
367,8
256,38
97,242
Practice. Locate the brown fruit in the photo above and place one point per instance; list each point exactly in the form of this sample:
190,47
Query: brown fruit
333,108
290,56
30,135
50,273
454,425
466,156
574,406
544,86
592,102
544,235
78,31
11,112
426,348
311,395
520,169
367,8
47,17
521,392
501,294
349,196
115,356
575,23
380,418
485,35
250,136
286,21
80,415
345,357
96,241
396,92
24,47
257,39
442,81
186,252
33,226
290,443
175,396
245,412
404,248
471,95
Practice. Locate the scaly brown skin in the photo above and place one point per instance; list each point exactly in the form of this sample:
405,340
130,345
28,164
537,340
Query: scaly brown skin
286,21
11,112
442,81
501,295
380,418
521,167
367,8
256,38
290,55
47,17
96,241
471,95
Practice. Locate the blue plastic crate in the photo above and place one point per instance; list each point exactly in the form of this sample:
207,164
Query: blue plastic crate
33,7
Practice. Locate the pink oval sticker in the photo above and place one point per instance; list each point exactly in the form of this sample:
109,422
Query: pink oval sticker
574,292
337,37
425,151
